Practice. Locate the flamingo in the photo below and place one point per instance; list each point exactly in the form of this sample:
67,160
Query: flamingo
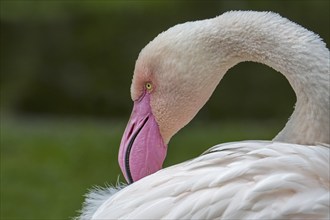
175,74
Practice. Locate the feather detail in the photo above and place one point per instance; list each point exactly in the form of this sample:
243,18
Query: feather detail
248,179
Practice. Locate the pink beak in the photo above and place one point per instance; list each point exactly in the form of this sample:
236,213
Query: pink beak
142,150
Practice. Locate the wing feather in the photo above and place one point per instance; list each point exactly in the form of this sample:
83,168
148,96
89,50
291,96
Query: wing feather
249,179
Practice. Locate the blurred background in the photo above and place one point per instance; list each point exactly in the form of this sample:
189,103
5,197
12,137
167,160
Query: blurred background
66,69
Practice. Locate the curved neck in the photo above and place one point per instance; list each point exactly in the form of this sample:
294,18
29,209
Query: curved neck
267,38
297,53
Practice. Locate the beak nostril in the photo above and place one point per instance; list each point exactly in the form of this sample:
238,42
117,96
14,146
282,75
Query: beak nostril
131,131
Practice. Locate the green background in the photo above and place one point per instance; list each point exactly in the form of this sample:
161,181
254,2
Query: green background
66,69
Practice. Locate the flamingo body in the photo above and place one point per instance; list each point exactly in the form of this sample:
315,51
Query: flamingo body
240,180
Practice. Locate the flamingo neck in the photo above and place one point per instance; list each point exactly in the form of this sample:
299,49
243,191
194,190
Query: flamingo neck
297,53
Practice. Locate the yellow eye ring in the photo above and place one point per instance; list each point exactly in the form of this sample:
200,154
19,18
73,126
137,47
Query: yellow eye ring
148,86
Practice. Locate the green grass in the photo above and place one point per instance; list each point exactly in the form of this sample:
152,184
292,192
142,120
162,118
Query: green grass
47,165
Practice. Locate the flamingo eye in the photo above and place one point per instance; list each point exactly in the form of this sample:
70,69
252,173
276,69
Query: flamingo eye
148,86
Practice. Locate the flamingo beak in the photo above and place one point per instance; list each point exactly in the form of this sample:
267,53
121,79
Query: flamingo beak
142,150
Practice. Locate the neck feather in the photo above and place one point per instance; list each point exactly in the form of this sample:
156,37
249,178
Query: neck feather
217,44
297,53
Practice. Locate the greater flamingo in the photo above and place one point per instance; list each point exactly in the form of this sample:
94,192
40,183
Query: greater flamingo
175,74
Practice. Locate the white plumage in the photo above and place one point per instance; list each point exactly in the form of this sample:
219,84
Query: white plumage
287,178
240,180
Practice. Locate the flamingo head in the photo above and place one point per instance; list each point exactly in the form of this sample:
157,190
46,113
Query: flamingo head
168,89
